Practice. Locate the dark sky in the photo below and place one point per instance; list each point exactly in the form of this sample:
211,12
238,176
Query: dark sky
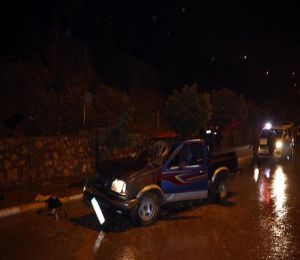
245,47
253,49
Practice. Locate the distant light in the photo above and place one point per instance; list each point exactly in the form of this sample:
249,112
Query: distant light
213,58
183,9
208,131
279,144
245,57
293,74
98,211
256,173
267,172
267,72
268,126
295,85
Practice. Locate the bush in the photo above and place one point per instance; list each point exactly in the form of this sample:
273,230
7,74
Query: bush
188,111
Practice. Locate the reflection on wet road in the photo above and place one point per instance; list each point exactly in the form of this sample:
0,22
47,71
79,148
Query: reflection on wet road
277,231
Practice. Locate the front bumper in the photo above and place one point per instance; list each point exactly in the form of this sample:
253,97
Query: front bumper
265,153
109,201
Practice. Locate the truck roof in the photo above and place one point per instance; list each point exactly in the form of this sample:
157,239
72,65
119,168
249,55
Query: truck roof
193,140
281,126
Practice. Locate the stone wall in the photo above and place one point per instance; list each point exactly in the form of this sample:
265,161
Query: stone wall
25,159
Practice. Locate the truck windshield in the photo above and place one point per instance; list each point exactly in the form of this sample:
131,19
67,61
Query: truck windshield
271,133
266,134
153,150
277,132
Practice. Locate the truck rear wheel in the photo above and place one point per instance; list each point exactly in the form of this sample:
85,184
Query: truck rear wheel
222,189
219,191
147,210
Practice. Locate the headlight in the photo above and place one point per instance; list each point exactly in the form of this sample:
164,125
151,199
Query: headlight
279,144
118,186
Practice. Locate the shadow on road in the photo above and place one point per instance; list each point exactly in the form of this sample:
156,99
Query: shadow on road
113,223
120,223
89,221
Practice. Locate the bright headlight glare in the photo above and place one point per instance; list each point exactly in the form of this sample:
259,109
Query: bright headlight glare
118,186
279,144
268,126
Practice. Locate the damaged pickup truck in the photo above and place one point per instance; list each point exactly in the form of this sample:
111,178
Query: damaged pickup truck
162,170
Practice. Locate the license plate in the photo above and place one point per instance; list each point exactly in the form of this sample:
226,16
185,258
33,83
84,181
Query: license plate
98,211
264,151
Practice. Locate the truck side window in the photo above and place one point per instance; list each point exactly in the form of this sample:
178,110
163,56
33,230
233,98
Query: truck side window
180,159
195,154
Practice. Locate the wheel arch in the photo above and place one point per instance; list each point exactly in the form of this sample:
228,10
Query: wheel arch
152,188
221,171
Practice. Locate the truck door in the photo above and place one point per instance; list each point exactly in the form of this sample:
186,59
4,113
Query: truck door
184,175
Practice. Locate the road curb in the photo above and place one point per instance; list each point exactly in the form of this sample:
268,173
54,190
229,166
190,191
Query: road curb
11,211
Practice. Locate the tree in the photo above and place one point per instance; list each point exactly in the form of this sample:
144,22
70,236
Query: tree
117,136
228,107
187,110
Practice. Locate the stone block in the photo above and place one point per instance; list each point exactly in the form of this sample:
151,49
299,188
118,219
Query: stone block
66,172
14,157
21,162
38,144
24,177
55,156
2,176
33,174
50,172
24,150
7,164
12,175
48,163
84,168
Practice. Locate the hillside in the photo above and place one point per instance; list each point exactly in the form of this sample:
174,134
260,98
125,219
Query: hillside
46,97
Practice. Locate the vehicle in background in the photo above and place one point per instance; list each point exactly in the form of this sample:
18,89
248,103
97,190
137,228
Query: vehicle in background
162,170
277,142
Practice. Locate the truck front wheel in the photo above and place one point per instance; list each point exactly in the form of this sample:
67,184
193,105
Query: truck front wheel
147,209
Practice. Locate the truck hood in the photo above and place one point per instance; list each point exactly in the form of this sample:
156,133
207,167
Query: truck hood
124,169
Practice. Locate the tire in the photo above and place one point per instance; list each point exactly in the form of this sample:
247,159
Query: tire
220,190
147,210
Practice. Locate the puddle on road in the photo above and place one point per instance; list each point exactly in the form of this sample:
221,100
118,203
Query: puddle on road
275,229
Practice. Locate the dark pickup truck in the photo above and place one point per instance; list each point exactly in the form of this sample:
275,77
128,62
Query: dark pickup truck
162,170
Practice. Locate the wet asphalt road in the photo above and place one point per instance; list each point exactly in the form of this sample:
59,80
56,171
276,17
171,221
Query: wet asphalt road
261,220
